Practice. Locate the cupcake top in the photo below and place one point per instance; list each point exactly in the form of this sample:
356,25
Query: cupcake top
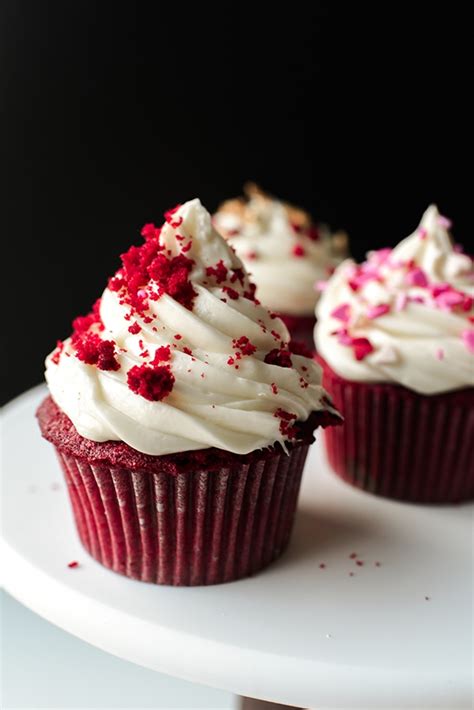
179,355
285,253
405,315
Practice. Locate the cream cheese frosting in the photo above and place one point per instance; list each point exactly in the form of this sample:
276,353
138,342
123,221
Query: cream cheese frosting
281,249
404,316
178,355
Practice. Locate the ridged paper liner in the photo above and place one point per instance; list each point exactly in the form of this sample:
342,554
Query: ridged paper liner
190,529
400,444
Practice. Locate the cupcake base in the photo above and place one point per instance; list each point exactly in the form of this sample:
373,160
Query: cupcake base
400,444
203,517
301,328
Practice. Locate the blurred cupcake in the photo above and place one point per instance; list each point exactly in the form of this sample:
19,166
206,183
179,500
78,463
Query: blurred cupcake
285,253
395,336
180,417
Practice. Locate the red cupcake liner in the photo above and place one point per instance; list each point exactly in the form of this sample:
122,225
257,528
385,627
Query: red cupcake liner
301,328
193,528
400,444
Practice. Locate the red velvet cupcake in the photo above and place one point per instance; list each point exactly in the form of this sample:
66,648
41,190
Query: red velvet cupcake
180,416
395,338
285,253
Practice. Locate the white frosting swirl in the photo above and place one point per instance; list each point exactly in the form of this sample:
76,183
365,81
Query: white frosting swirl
281,257
219,398
413,304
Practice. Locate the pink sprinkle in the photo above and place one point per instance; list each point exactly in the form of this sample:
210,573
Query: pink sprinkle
322,566
423,232
444,222
362,347
437,289
377,311
449,299
440,354
417,277
400,301
343,336
468,339
342,313
252,255
73,564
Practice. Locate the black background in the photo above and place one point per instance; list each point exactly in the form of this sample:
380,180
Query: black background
115,112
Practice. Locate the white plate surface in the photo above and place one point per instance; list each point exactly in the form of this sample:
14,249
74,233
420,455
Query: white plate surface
397,635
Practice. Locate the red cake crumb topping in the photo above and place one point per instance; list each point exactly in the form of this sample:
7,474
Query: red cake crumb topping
280,357
237,275
149,231
153,382
81,324
57,353
286,428
73,564
219,271
187,351
275,334
134,328
322,566
231,292
162,354
91,350
244,345
359,563
175,223
274,388
298,348
250,294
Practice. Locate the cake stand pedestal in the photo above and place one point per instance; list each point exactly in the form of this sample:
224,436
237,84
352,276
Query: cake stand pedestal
390,628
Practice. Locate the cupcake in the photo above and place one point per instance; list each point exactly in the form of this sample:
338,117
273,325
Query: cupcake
395,337
180,415
285,253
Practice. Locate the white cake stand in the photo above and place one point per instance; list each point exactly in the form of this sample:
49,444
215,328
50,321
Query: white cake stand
396,634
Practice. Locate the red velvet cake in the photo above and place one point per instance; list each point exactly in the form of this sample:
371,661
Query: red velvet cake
395,338
181,414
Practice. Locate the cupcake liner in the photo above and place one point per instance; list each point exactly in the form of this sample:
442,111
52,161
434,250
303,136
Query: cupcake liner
193,528
400,444
301,328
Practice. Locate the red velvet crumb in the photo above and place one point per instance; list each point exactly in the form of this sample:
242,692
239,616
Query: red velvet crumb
285,426
57,353
91,350
298,250
244,345
134,328
231,292
153,382
162,354
219,271
73,564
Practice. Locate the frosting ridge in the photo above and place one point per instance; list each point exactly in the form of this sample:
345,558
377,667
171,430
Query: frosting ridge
176,355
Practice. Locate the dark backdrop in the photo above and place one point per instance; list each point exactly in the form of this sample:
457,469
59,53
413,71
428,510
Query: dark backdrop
115,112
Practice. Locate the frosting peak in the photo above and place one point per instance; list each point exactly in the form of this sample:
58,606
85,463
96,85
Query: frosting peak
405,315
179,355
283,250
